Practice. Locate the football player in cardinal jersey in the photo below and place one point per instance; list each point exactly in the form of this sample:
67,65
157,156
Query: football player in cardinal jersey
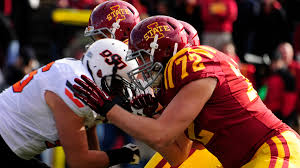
199,156
112,19
206,100
40,111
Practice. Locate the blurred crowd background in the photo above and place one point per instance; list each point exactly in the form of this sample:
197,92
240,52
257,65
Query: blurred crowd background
263,36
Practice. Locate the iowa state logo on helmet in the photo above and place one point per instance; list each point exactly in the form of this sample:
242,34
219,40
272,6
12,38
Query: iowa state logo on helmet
154,29
117,13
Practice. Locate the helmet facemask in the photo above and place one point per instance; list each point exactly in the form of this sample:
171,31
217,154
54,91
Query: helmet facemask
148,69
103,32
116,85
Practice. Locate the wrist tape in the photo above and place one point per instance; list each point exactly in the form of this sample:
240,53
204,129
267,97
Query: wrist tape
107,106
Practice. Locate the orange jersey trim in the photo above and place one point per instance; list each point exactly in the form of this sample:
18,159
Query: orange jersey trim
76,101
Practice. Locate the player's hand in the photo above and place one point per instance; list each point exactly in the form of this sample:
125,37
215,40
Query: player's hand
133,153
129,153
144,104
92,95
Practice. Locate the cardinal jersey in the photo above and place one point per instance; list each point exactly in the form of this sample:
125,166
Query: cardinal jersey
27,123
234,122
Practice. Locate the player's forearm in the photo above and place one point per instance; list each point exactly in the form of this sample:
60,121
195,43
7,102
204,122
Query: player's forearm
93,141
148,130
88,159
178,151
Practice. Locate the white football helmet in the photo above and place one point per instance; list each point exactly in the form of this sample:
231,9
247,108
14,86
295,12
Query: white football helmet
105,60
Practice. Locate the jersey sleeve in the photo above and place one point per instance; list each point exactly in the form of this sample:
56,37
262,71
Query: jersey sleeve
60,80
192,64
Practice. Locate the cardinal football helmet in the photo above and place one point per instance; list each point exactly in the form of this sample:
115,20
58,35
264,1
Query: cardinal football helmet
105,61
112,19
192,33
152,42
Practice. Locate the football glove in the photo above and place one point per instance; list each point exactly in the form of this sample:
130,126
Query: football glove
144,105
129,153
88,92
133,153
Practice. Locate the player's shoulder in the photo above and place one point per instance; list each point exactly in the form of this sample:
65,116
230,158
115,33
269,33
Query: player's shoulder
191,63
68,64
68,70
197,54
62,72
68,67
204,48
195,57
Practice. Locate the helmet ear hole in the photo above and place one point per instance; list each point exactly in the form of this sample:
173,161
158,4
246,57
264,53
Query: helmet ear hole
99,73
126,33
169,51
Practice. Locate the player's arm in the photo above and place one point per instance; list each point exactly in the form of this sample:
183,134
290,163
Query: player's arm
161,133
181,111
181,146
93,138
178,151
73,138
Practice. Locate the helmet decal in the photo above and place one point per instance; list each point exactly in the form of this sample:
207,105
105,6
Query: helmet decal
117,13
113,59
154,29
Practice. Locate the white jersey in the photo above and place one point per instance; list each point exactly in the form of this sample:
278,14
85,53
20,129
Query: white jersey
26,122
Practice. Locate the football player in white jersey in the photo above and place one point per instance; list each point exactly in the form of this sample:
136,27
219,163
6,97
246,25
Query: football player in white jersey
40,111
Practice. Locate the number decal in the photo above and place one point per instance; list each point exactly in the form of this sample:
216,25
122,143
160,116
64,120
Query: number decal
19,86
204,136
47,67
197,64
181,57
184,62
112,59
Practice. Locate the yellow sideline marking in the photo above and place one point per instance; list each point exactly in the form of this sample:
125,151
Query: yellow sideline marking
71,16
